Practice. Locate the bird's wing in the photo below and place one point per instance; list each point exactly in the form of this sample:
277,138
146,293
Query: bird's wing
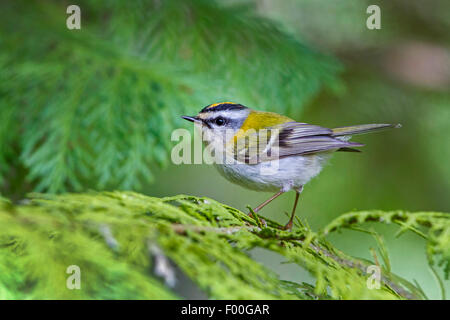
290,139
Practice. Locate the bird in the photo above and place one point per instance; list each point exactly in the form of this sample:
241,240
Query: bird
256,141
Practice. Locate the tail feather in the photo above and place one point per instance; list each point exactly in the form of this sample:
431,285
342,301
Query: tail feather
347,149
363,128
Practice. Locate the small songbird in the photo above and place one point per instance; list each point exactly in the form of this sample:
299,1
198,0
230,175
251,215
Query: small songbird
257,140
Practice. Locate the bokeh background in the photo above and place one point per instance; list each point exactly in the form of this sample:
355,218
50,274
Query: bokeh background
94,108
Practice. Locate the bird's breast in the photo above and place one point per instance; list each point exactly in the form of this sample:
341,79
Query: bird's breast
286,173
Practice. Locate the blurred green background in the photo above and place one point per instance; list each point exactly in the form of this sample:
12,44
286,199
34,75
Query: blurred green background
94,108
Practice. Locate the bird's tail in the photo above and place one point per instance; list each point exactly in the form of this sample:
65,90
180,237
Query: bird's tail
362,128
345,133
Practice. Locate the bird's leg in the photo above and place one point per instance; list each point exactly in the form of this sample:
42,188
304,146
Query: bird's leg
268,201
288,226
265,203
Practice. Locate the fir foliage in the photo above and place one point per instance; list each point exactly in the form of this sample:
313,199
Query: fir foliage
436,223
94,108
112,237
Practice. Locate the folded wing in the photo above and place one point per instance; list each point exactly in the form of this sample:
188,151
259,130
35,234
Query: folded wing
290,139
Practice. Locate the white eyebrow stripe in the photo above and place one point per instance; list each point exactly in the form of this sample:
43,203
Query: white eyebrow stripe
231,114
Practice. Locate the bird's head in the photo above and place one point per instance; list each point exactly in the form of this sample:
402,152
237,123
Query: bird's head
220,119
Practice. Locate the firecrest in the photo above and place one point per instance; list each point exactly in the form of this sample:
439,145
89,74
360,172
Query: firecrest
257,140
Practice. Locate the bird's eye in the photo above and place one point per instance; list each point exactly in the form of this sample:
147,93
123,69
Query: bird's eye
220,121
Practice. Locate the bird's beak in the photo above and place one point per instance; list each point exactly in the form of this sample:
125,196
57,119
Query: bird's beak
192,119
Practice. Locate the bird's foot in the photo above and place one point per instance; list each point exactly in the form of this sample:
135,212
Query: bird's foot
288,226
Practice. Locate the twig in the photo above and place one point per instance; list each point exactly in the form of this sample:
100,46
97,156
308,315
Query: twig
182,228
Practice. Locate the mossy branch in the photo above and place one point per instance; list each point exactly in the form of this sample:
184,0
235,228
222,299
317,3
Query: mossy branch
128,245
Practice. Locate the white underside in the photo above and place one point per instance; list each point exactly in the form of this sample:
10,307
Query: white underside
289,173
